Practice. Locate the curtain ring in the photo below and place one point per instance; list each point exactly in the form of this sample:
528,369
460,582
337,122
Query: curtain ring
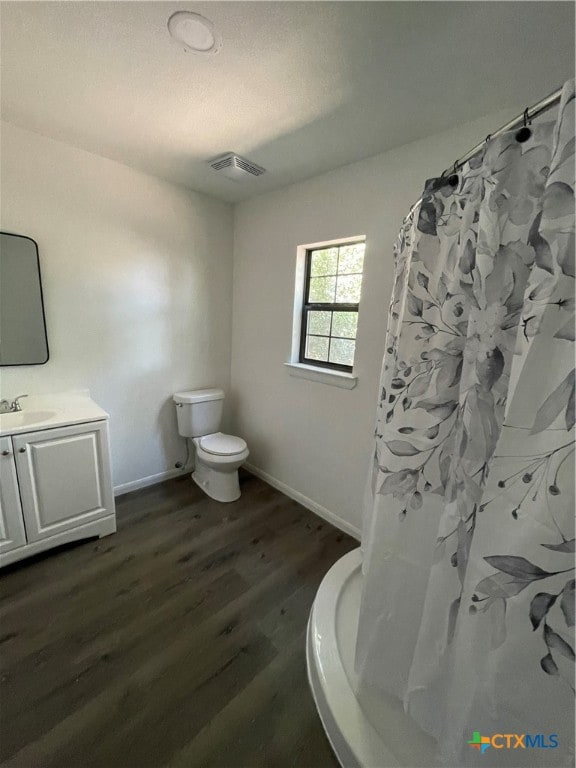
524,133
453,178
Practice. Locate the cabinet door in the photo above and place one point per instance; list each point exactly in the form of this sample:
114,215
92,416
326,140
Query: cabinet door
12,533
64,477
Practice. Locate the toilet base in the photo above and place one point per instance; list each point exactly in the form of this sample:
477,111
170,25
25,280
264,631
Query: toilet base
220,486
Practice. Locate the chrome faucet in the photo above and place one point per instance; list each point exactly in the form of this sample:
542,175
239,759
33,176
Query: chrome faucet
11,407
15,405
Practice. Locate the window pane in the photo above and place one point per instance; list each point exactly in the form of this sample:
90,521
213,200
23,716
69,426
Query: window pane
317,348
351,258
342,351
348,290
344,324
322,289
324,262
319,322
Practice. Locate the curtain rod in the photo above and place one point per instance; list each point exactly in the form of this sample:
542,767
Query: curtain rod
529,114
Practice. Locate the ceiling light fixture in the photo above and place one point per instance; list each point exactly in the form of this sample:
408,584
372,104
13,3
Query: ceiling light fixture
195,32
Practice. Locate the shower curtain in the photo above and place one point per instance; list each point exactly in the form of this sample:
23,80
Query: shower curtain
467,611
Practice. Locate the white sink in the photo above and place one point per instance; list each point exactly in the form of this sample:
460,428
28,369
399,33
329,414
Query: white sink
24,419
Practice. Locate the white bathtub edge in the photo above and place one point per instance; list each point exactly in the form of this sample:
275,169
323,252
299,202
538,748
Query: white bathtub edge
354,740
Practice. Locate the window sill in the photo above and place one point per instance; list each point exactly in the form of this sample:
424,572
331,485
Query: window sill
323,375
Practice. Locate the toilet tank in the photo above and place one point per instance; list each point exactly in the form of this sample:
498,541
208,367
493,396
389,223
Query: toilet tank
199,411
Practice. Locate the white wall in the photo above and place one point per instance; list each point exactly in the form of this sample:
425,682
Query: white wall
314,438
137,279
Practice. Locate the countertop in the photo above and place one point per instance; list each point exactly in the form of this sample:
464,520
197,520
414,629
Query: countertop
49,411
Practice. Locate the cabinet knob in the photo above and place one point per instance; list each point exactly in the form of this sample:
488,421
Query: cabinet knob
23,449
6,453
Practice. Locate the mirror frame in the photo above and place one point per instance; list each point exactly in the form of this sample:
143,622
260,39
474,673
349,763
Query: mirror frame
19,365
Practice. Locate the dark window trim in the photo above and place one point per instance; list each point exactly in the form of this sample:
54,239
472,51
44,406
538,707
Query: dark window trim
308,306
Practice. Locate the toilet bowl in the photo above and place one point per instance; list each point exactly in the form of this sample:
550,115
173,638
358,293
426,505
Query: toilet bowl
218,455
218,458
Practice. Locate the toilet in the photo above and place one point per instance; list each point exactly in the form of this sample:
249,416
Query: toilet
218,456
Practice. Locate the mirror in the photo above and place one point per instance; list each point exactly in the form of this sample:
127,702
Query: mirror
22,324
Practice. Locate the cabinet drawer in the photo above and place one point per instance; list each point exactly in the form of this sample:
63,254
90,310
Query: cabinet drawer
64,478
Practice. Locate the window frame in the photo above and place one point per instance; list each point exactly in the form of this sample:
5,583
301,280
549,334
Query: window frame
308,306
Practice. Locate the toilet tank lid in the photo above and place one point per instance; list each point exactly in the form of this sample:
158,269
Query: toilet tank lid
198,395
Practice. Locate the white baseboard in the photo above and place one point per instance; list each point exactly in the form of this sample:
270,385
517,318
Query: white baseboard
313,506
144,482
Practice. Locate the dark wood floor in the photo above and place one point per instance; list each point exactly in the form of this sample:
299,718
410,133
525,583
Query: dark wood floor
179,641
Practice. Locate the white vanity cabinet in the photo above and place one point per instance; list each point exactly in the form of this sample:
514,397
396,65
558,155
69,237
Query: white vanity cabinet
55,487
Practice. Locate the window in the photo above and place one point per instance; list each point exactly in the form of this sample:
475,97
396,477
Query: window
332,285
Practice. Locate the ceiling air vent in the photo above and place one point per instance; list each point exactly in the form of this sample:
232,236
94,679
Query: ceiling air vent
235,167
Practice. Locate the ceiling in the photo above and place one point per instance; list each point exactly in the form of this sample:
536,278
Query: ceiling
298,87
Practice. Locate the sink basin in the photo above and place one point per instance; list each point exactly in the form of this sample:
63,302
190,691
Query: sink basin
24,419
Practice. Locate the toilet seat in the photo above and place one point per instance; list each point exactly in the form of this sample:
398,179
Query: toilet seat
221,444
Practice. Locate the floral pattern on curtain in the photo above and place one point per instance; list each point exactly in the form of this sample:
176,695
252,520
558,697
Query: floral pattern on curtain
468,603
